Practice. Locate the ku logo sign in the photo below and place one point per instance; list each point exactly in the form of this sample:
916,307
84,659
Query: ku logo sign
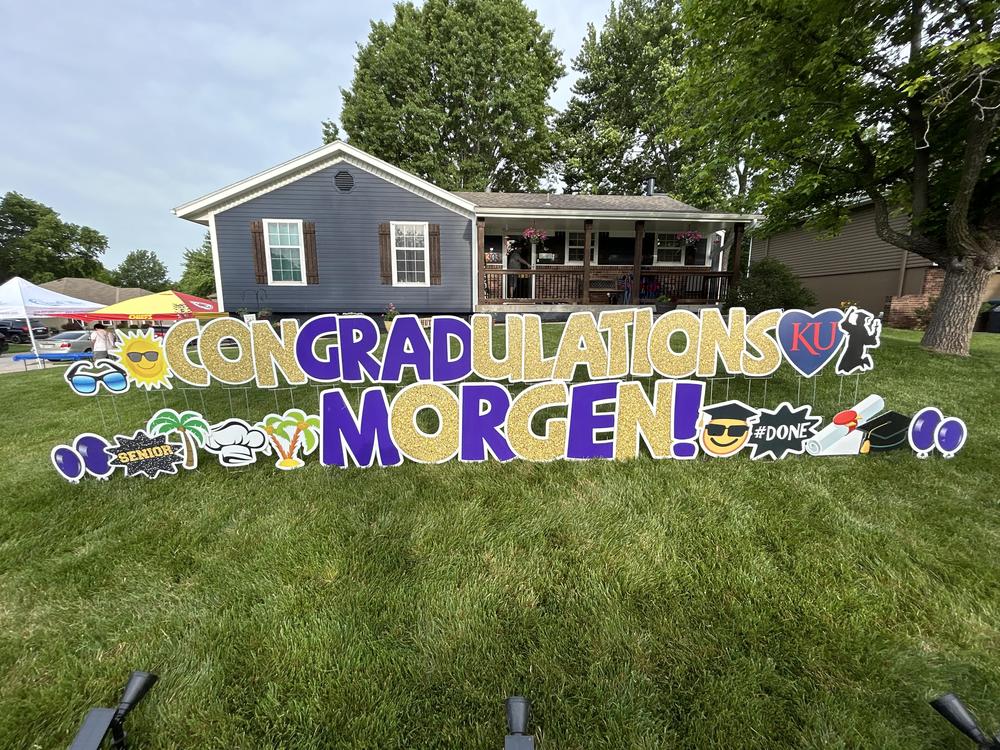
810,340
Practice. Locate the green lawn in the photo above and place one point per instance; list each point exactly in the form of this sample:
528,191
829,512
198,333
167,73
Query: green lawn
804,603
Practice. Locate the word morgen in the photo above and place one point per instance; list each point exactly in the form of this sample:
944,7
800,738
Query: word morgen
615,344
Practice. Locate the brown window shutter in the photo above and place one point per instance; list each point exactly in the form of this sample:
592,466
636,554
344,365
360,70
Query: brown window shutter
434,230
384,253
309,238
259,254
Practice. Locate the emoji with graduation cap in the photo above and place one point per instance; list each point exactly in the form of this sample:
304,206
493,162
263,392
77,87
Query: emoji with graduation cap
725,429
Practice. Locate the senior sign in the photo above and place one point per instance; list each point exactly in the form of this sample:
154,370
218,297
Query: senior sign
458,373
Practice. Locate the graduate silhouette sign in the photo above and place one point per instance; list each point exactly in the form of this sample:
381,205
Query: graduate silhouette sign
470,398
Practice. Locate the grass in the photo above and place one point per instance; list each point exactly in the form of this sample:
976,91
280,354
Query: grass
650,604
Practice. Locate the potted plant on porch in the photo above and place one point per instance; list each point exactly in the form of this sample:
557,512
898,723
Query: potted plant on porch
389,315
665,303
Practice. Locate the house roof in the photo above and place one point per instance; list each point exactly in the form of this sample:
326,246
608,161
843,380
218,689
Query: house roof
575,206
539,205
95,291
577,202
200,209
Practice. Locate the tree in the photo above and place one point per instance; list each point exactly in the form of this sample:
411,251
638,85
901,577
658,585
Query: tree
37,245
143,269
190,425
289,433
899,106
634,114
614,132
457,92
198,277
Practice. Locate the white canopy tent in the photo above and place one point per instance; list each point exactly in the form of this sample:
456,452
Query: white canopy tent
22,299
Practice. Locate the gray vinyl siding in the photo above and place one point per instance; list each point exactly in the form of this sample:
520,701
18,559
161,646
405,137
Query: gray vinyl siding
856,249
347,248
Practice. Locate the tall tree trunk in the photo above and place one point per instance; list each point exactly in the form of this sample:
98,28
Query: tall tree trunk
950,328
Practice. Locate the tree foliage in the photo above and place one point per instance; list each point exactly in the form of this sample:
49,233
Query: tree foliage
456,91
899,106
37,245
637,112
142,269
615,132
198,276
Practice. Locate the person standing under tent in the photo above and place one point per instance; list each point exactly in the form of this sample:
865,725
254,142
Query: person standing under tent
102,341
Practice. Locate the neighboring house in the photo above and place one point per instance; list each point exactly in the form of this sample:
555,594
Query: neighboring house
338,230
856,265
90,290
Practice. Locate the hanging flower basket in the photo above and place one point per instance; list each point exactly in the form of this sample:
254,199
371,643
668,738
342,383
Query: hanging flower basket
534,235
689,237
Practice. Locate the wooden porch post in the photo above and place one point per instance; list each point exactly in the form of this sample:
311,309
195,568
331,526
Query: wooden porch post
588,226
640,232
734,280
481,244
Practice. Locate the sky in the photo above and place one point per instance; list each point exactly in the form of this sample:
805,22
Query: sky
115,112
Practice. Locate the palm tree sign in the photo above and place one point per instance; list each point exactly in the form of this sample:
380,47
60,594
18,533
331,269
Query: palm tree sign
192,428
291,432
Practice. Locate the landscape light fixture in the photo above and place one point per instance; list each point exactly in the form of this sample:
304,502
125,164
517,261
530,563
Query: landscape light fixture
518,713
101,721
950,706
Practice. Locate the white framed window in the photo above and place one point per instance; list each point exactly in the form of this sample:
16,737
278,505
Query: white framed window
669,250
410,244
286,256
574,248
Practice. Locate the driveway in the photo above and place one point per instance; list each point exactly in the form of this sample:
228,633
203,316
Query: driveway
7,364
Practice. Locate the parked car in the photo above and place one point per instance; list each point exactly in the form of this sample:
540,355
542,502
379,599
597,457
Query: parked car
68,342
16,331
3,343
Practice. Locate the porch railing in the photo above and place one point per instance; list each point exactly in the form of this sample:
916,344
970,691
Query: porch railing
608,285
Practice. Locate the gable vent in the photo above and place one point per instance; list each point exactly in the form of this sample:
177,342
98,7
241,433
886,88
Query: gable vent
344,181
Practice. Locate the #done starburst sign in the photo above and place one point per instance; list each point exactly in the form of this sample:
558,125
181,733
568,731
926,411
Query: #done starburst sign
467,390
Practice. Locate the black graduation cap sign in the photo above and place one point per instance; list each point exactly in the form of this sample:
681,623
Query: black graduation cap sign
886,431
730,410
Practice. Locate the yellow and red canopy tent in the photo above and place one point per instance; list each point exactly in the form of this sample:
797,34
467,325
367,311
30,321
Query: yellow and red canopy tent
169,305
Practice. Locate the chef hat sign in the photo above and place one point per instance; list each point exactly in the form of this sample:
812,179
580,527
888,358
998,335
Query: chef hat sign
930,429
236,443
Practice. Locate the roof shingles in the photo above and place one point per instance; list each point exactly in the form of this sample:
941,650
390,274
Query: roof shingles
574,202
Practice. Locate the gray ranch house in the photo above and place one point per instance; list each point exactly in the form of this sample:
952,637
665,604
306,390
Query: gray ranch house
339,230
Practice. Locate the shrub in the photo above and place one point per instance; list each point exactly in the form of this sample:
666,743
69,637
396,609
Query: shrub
771,284
923,314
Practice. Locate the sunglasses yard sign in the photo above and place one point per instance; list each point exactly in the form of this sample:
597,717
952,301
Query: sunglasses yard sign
460,376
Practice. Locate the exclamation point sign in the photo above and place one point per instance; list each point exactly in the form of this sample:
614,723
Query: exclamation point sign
687,402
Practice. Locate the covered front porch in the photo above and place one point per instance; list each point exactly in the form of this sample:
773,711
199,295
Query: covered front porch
572,261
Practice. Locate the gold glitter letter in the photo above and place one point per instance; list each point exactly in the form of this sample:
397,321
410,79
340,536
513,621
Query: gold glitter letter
716,337
229,371
637,419
770,355
269,350
616,323
581,344
175,348
523,440
667,362
414,443
484,364
641,366
536,365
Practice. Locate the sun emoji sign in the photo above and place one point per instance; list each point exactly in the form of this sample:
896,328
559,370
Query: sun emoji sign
143,358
